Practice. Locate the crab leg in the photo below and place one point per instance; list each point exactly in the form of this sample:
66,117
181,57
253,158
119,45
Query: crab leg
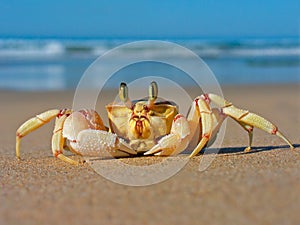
246,119
34,123
249,130
217,119
201,109
58,140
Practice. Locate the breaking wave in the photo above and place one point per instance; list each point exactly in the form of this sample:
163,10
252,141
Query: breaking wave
33,48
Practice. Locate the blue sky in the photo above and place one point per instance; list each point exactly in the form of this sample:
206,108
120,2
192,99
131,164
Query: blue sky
155,18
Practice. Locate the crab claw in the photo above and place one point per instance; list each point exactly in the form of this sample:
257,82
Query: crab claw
81,120
75,123
101,143
176,141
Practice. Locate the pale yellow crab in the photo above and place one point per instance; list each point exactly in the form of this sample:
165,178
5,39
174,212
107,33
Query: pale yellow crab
144,127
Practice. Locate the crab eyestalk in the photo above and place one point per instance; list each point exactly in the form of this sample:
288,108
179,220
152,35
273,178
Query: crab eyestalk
153,92
123,94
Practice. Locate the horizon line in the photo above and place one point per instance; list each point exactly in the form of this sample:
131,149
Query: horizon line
4,36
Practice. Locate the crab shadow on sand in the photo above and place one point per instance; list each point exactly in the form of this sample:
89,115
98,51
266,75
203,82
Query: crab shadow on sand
226,150
240,150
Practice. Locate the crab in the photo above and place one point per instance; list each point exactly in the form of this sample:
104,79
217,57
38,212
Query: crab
150,126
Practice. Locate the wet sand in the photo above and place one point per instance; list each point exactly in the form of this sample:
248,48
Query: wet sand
260,187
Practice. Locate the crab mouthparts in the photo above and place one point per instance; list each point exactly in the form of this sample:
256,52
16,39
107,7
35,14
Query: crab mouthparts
140,126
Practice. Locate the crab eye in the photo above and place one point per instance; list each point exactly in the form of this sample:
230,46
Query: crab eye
146,108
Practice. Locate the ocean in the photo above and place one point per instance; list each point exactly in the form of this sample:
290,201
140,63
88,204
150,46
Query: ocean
47,64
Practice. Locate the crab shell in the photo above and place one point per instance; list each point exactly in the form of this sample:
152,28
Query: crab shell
141,125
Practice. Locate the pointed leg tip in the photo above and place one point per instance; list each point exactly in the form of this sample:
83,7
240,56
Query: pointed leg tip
75,162
81,162
193,154
153,150
18,156
148,152
248,149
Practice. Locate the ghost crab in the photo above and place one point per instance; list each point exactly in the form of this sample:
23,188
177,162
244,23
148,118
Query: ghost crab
147,126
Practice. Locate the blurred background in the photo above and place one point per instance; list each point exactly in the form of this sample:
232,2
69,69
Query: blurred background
47,45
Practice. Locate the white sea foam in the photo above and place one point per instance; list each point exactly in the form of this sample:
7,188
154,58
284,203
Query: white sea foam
28,48
273,51
21,48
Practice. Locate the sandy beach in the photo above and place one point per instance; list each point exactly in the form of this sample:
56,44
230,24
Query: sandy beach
260,187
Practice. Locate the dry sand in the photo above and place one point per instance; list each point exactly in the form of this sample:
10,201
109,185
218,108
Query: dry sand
262,187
